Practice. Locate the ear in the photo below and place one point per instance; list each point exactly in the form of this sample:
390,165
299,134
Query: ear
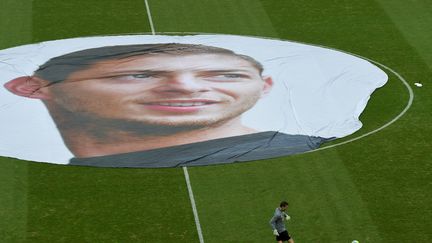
30,87
268,85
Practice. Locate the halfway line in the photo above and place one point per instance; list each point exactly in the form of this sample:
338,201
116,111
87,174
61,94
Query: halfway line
149,17
192,199
186,174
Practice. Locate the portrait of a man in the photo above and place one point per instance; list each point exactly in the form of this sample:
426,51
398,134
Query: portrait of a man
110,102
158,105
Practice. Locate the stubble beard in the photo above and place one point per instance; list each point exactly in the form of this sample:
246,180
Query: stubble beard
176,124
164,126
103,128
107,128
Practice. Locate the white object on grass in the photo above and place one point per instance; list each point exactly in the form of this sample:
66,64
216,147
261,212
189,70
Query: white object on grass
418,84
355,241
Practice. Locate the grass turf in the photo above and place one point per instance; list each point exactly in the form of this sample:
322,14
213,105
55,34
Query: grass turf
372,190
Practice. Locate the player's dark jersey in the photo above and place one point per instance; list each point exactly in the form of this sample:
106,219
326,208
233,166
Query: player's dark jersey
277,221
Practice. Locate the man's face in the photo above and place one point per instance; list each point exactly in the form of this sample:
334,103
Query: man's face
166,90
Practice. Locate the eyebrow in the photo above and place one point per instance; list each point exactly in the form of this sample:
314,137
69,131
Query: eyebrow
226,71
161,72
114,74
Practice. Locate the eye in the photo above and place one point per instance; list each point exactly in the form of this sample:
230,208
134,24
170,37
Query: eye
141,75
136,76
230,75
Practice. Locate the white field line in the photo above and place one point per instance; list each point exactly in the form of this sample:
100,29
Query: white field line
192,199
186,174
150,17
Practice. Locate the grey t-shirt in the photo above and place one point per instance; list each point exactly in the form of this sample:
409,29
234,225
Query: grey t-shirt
262,145
277,221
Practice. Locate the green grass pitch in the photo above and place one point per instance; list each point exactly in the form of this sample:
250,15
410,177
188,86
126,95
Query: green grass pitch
376,189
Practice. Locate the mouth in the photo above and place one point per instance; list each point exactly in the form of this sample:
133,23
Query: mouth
180,105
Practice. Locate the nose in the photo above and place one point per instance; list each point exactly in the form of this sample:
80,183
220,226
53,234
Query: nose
183,83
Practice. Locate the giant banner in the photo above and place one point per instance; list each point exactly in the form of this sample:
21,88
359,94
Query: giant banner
169,101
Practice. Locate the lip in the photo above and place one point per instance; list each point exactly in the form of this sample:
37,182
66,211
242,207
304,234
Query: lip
190,105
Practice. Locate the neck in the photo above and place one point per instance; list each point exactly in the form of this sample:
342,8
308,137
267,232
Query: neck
91,140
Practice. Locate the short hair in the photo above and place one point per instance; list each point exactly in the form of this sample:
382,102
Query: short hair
283,204
59,68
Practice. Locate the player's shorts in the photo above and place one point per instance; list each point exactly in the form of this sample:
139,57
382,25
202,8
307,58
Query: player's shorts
283,236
